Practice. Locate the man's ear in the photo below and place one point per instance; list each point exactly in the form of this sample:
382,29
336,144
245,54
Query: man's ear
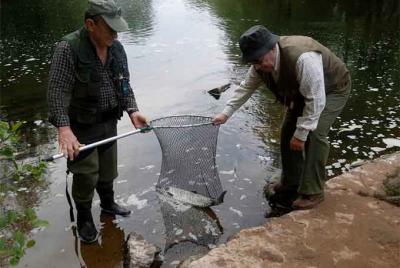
89,23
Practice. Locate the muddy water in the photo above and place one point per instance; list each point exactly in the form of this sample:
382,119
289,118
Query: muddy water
177,50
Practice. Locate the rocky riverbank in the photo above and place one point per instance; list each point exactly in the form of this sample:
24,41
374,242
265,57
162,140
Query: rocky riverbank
358,225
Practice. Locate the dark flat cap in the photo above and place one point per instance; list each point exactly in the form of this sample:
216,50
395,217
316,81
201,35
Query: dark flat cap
256,42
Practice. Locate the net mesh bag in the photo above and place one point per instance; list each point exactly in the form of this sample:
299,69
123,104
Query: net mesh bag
188,230
188,170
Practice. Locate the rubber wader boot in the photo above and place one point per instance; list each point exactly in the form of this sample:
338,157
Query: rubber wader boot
282,196
108,204
86,229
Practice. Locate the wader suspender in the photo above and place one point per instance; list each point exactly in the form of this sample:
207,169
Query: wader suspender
71,208
71,215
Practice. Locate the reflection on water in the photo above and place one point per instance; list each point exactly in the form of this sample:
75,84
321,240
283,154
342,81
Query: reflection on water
140,17
179,49
189,231
28,32
108,251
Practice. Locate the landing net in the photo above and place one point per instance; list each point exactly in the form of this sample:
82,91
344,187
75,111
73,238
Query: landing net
188,170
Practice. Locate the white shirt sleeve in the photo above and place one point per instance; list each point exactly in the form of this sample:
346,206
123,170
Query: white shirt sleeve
243,92
310,75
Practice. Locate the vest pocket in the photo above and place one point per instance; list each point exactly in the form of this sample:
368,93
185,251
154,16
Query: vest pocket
83,71
80,90
93,90
89,90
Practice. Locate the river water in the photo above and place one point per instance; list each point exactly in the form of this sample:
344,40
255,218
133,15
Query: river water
177,50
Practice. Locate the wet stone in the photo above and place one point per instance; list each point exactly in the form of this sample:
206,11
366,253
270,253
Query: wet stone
140,253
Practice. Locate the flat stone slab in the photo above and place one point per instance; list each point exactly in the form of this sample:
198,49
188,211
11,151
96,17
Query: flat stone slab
351,228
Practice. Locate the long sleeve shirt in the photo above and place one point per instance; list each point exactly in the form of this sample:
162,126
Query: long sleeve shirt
309,74
62,81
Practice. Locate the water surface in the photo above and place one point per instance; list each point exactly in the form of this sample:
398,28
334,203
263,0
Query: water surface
177,50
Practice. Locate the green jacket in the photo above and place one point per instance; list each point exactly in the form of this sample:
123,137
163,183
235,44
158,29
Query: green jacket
286,89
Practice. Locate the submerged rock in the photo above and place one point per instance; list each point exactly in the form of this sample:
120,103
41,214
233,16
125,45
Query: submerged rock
140,253
9,203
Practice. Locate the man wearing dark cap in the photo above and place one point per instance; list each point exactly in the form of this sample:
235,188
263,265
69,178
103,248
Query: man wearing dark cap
314,85
88,91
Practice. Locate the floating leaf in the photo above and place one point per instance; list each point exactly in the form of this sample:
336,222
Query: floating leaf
30,243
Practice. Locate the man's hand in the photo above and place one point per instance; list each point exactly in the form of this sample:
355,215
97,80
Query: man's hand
220,119
296,144
138,120
68,143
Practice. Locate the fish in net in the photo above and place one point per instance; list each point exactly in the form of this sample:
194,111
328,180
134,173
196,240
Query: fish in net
188,170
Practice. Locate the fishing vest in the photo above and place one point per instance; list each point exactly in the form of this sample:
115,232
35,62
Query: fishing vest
286,89
86,91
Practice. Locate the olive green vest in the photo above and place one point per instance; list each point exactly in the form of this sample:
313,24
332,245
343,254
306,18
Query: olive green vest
286,89
85,94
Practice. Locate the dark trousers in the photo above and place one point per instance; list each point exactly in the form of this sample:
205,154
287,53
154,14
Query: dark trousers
305,170
95,169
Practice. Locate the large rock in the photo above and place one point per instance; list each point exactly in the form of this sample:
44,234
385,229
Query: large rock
351,228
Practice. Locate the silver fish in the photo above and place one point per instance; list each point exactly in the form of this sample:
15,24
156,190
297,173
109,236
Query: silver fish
188,197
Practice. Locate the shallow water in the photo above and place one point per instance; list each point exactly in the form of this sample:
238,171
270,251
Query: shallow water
177,50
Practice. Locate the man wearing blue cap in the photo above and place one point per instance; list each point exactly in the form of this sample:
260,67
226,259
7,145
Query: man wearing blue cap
88,91
314,85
